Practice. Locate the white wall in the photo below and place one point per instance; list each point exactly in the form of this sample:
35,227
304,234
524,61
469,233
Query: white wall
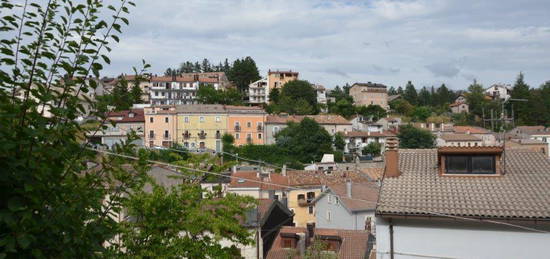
458,239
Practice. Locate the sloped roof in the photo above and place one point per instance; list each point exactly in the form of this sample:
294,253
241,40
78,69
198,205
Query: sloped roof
363,195
321,119
471,129
354,243
362,134
521,193
125,116
251,179
459,137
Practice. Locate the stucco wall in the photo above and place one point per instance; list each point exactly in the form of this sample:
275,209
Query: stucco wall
341,218
458,239
301,213
258,136
192,123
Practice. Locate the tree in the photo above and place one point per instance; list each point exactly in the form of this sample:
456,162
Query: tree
373,148
243,72
444,96
274,95
411,137
122,98
207,94
410,94
307,140
297,97
373,112
421,113
424,97
476,99
400,90
190,223
392,91
205,66
339,142
521,91
342,107
53,188
402,107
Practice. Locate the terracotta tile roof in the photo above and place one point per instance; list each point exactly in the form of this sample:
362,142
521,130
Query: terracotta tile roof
315,178
282,72
471,129
354,243
362,191
521,193
124,116
363,134
374,173
321,119
273,182
201,108
533,130
456,104
459,137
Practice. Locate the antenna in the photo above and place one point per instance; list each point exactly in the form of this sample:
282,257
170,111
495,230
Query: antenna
502,129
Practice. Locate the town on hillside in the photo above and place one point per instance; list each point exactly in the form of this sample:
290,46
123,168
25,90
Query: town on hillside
237,159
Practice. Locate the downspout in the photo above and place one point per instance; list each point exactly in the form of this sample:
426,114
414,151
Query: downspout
391,238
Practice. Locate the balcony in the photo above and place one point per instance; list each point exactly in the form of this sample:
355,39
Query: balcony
260,128
304,202
237,128
151,136
249,140
202,135
166,136
186,135
218,135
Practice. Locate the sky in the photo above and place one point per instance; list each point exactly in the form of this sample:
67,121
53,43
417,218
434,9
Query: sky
333,42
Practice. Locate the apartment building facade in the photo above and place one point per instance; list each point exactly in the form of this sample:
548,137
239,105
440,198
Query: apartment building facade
246,124
201,126
179,89
276,79
365,94
160,126
258,92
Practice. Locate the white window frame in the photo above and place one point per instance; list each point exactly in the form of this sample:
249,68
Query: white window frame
218,119
201,119
186,119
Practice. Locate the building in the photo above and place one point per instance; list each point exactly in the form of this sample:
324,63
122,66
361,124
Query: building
347,206
499,92
246,124
488,137
144,84
182,89
331,123
294,242
534,145
464,202
160,126
119,125
321,93
459,107
357,140
276,79
258,92
201,126
540,133
458,140
365,94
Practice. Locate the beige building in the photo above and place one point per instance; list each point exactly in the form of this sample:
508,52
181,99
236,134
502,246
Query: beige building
276,79
459,140
365,94
160,126
527,144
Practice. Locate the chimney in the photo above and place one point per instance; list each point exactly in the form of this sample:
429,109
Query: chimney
348,188
392,158
283,170
301,243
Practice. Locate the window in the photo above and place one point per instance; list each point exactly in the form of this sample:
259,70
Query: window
276,197
259,135
249,136
287,243
310,209
218,119
329,215
275,130
151,119
151,134
301,197
166,119
186,119
201,119
329,197
166,135
237,136
249,124
457,164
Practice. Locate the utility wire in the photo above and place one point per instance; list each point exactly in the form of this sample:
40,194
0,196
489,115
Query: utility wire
296,188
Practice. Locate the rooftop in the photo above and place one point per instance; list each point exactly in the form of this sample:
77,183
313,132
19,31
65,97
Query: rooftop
370,85
363,195
321,119
459,137
471,130
521,193
134,115
354,243
363,134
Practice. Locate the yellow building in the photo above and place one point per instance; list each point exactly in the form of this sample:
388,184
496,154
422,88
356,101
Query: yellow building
201,126
300,201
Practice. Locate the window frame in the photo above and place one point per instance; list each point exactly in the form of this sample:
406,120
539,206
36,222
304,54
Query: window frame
469,170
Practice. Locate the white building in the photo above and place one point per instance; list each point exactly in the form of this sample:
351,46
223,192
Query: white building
460,202
357,140
499,91
258,92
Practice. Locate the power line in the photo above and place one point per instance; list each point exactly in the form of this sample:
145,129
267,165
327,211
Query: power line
296,188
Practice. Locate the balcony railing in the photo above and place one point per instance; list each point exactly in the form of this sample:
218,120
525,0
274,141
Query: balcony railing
152,136
166,136
237,128
260,128
202,135
218,135
186,135
249,140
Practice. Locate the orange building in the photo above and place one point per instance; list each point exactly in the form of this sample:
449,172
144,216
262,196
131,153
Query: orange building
276,79
160,126
246,124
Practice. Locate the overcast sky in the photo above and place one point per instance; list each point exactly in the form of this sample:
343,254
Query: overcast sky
333,42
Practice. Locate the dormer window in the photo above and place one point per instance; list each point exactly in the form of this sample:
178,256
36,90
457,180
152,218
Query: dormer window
467,161
474,164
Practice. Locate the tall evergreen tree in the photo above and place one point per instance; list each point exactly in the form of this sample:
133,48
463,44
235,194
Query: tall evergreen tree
205,66
392,91
400,90
243,72
476,99
424,97
410,94
444,96
521,91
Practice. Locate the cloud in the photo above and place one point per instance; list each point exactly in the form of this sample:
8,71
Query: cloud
443,69
334,42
